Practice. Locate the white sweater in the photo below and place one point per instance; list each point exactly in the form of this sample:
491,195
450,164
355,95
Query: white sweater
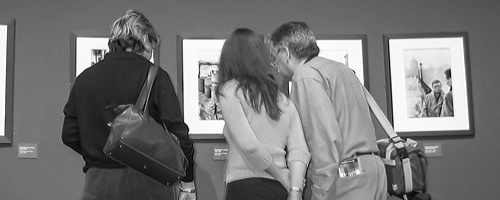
255,140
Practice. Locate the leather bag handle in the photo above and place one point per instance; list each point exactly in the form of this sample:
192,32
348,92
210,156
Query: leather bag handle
143,98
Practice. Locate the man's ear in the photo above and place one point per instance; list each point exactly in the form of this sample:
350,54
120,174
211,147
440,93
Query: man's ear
287,52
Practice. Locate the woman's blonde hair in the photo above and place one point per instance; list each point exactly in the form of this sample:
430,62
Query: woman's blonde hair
133,30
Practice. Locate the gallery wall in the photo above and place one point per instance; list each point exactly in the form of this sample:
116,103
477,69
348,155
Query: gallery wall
466,170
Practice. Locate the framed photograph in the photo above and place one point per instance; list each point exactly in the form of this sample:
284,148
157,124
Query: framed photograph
197,82
90,48
7,40
422,98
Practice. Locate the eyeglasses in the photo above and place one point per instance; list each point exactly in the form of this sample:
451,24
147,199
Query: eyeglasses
274,64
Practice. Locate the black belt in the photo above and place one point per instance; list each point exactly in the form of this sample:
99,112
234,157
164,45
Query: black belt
365,153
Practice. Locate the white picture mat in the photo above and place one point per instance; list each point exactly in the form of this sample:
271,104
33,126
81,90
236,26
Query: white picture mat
3,76
337,49
194,50
457,61
84,45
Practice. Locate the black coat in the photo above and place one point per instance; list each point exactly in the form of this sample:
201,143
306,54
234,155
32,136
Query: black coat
116,80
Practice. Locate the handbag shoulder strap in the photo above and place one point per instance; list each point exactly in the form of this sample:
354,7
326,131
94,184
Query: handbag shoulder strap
382,119
143,98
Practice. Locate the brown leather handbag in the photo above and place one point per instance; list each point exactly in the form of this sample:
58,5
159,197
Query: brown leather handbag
139,142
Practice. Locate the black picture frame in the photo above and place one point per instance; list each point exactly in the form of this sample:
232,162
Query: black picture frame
9,27
412,62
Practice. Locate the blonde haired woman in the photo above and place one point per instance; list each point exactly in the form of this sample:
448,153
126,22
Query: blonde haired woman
116,80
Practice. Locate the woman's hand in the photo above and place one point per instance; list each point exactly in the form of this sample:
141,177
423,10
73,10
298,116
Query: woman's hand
285,178
279,174
187,191
297,181
294,195
187,196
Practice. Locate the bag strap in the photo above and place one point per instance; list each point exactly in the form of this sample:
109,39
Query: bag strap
382,119
398,142
143,99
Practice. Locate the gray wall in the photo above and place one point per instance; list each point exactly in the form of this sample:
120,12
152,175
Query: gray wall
467,169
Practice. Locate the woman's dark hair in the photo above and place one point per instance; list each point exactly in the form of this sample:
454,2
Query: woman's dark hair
244,58
298,38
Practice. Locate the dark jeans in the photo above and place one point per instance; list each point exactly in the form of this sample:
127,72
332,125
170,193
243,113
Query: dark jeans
123,184
255,189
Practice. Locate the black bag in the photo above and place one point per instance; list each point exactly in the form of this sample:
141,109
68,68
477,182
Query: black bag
405,164
139,142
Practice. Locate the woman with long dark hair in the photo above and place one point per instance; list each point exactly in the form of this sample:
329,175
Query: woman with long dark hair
268,155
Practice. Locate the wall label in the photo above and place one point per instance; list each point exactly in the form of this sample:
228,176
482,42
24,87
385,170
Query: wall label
433,149
27,150
220,152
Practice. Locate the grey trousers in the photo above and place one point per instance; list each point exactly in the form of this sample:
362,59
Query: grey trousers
123,184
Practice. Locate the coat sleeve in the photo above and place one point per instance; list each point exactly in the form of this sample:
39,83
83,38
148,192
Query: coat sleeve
170,114
448,105
424,106
70,132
